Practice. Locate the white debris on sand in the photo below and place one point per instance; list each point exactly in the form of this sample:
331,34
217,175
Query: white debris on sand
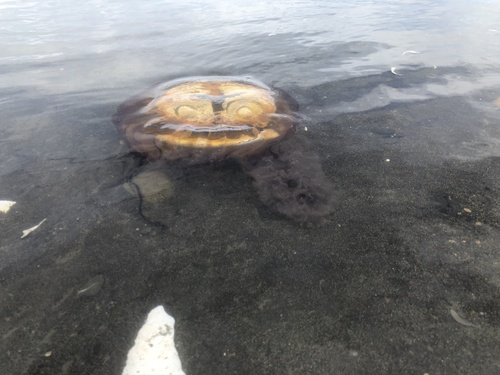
6,205
29,230
459,319
154,349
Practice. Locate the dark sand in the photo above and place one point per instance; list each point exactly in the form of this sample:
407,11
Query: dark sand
416,234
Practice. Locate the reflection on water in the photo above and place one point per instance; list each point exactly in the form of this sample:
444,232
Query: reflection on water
400,100
64,46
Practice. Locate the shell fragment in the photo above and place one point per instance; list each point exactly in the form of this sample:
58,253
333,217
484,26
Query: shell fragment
154,350
459,319
6,205
29,230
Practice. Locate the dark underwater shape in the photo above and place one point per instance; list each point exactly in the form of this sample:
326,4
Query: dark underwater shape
205,119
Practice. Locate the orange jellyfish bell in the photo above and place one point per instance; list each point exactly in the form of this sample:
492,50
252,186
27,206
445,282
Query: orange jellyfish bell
205,118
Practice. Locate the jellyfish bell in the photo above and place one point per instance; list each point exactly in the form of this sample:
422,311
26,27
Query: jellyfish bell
205,118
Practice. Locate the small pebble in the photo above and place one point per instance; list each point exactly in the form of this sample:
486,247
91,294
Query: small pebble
146,230
468,210
152,185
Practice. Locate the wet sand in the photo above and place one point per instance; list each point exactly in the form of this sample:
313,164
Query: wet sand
402,278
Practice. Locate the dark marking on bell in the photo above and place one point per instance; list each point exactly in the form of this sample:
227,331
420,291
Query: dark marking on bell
217,105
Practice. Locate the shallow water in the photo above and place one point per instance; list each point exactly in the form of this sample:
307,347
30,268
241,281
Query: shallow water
400,99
